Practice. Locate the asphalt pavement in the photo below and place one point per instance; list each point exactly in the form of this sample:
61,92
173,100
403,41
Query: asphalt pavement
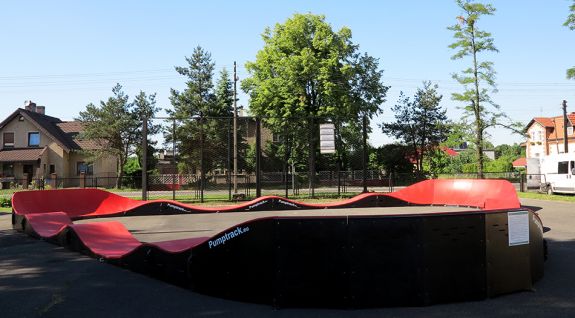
39,279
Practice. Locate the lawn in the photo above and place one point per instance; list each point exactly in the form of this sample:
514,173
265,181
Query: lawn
544,196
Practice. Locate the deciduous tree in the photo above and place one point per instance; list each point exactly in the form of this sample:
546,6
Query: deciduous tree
307,70
570,23
479,78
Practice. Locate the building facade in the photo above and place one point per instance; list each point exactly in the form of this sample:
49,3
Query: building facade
36,146
545,136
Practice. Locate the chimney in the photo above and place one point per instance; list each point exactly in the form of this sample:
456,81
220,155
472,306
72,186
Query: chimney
29,105
41,110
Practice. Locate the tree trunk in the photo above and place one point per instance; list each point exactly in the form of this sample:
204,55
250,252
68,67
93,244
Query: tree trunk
477,109
120,171
311,171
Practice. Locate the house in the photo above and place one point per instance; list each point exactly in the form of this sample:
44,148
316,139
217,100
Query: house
37,146
520,163
545,136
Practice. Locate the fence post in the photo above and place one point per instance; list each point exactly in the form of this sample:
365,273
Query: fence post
53,182
229,165
174,159
364,154
311,168
258,158
522,177
145,159
286,159
202,168
82,179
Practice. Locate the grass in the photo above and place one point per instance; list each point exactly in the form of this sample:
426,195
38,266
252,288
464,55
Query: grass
543,196
4,210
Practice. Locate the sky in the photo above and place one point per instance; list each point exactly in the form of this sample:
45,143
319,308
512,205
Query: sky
67,54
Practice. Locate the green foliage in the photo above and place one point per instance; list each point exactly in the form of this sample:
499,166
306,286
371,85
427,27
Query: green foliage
392,158
224,92
570,23
505,155
306,69
5,202
421,124
478,79
132,166
115,125
195,108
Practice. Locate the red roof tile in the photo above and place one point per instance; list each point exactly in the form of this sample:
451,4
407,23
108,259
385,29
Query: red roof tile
27,154
521,162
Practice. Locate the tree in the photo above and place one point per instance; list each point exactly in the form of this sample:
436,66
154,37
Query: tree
570,23
115,126
200,110
224,94
421,124
306,70
145,109
392,158
470,42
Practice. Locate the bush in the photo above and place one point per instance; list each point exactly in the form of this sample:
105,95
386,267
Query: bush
5,203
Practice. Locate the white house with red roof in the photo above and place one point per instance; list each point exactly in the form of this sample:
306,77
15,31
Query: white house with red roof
545,136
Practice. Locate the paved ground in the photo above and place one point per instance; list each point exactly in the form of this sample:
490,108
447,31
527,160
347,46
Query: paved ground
38,279
159,228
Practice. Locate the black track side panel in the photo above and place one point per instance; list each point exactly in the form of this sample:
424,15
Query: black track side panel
537,248
241,268
155,262
267,204
385,260
386,201
508,267
312,263
454,258
158,208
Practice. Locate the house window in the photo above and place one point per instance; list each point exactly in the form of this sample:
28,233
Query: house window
539,137
8,139
569,131
8,169
86,168
33,139
52,169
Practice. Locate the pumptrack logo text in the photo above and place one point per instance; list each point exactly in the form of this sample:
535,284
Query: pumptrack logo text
228,236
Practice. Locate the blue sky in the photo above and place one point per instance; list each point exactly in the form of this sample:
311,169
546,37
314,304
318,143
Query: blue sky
66,54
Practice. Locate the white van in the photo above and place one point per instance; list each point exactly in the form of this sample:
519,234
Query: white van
558,173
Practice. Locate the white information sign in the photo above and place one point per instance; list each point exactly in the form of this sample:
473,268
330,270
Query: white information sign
326,138
518,223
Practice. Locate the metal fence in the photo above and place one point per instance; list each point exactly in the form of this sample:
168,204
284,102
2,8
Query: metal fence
205,159
217,187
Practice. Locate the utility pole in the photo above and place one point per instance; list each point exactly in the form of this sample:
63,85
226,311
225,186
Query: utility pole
565,121
235,132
